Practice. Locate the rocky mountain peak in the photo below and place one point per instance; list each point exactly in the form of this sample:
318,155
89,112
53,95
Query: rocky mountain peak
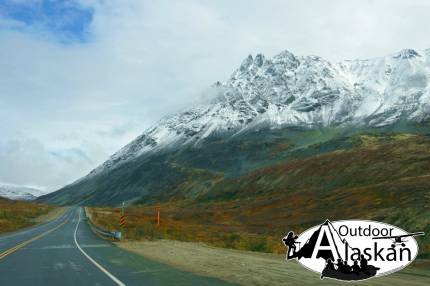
246,63
287,90
407,54
259,60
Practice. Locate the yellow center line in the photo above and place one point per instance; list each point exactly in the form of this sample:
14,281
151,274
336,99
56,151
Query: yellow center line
21,245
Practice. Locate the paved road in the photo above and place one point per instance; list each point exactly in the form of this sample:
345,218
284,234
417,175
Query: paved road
66,252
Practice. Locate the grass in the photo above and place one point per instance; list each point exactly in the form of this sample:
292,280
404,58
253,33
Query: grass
191,225
15,215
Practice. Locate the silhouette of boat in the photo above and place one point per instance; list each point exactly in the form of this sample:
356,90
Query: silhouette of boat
332,273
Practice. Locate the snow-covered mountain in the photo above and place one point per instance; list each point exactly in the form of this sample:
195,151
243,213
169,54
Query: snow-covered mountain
15,192
289,90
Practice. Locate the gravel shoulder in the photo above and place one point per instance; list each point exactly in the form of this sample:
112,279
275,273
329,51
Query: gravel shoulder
253,268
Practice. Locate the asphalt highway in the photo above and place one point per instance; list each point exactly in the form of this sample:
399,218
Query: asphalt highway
66,252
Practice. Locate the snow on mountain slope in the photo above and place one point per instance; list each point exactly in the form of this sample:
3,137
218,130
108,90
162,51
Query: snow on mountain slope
15,192
288,90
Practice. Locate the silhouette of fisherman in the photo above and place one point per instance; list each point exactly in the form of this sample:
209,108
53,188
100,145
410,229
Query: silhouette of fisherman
290,241
355,268
330,264
346,268
339,265
363,263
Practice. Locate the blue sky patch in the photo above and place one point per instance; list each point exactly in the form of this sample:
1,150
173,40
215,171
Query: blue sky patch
68,21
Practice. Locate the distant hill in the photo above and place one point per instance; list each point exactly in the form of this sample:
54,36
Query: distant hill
15,192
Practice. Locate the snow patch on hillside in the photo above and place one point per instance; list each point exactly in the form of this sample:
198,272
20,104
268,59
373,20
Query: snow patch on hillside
288,90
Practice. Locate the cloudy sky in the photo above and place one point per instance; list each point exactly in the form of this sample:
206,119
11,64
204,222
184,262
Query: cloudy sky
81,78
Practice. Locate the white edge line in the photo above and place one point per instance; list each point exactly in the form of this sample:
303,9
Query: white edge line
116,280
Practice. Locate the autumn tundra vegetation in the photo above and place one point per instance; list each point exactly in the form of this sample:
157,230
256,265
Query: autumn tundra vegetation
15,215
377,177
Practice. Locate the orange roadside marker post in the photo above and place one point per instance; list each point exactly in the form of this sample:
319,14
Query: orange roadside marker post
158,215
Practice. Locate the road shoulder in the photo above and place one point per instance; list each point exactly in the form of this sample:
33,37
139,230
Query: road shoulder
237,266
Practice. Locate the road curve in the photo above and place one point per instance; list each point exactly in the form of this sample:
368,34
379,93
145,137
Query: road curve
66,252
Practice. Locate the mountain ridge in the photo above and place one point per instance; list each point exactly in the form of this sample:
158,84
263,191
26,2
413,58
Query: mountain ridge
289,92
17,192
280,109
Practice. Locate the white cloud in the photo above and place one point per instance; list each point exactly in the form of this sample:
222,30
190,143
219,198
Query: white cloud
83,101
